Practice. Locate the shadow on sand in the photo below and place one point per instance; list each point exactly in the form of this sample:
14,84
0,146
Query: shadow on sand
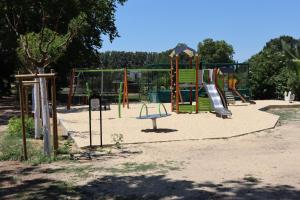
143,187
159,130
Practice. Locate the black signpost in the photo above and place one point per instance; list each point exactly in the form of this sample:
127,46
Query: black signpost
95,104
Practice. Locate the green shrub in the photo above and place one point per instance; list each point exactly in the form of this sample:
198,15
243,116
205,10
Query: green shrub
15,126
66,148
10,147
117,139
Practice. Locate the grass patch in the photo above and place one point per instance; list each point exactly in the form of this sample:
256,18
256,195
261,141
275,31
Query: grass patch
84,171
65,187
11,148
80,171
132,167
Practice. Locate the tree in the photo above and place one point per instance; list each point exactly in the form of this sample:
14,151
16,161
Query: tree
8,57
272,70
215,51
292,49
36,51
25,15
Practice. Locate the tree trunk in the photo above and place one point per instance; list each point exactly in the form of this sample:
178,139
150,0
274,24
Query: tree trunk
37,110
45,115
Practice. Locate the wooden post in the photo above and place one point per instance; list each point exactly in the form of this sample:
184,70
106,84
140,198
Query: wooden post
125,89
171,87
197,83
191,96
26,104
70,94
21,92
54,114
177,84
191,89
223,80
215,72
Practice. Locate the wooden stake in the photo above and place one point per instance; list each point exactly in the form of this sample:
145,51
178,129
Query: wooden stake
26,101
54,114
70,94
21,92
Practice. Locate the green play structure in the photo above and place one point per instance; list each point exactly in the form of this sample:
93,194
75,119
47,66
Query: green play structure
152,84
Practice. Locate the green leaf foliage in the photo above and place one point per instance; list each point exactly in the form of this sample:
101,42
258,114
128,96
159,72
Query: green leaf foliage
28,15
272,71
45,47
15,126
215,51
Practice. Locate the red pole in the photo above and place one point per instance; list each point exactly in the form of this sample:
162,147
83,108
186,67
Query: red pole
171,87
197,83
125,89
177,84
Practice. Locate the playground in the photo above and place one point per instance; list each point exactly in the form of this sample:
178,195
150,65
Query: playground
190,131
246,119
190,100
187,130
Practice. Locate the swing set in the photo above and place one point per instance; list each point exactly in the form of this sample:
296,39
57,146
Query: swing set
116,85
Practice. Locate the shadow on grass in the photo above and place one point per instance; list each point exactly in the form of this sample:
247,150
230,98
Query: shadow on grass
148,187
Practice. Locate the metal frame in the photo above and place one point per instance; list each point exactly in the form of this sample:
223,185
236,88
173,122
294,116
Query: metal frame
125,70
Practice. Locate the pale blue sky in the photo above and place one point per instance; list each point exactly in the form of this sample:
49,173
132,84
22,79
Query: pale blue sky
158,25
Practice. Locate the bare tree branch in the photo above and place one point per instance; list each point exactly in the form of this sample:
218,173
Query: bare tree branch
57,20
16,19
67,41
42,32
11,25
55,34
26,49
51,41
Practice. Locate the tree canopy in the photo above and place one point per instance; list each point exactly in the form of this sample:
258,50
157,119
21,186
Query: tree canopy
215,51
38,50
272,70
26,16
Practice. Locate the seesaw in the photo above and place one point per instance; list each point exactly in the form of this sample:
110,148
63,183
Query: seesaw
153,117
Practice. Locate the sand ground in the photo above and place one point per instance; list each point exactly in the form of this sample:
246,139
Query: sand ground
245,119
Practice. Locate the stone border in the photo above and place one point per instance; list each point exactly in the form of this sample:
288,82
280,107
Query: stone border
278,106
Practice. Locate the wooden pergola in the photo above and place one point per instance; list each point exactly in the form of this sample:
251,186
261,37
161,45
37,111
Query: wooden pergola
26,80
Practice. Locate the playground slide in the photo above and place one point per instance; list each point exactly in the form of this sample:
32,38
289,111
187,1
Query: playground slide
242,97
216,101
232,84
223,98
